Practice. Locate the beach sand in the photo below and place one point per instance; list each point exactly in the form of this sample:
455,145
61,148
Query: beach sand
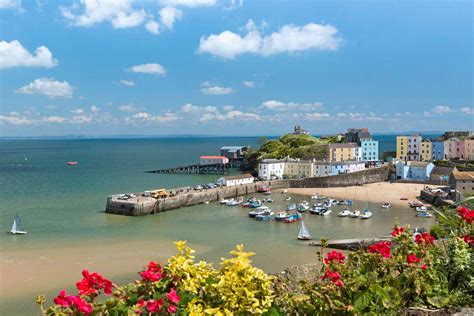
380,192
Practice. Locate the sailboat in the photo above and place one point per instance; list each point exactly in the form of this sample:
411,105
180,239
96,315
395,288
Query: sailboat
304,233
16,227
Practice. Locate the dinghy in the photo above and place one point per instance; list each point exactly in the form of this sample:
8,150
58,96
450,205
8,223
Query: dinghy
344,213
354,214
366,214
17,228
304,233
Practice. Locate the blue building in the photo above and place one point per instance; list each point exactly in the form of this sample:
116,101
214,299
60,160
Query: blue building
369,150
414,170
438,150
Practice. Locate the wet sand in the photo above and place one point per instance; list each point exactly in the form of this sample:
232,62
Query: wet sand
380,192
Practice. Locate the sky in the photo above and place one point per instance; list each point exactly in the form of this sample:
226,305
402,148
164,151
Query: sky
234,67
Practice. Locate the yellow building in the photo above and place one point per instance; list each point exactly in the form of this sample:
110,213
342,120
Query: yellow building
298,168
426,150
343,151
402,147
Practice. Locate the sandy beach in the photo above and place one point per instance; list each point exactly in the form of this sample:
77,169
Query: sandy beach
379,192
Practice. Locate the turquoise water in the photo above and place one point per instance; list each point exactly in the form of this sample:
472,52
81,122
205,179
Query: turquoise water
62,206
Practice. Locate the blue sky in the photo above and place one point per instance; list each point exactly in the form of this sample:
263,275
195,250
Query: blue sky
223,67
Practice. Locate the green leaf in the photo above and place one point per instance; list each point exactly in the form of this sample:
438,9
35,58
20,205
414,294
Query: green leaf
362,301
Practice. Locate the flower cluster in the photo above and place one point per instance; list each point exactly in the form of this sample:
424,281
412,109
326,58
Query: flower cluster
466,214
334,276
382,248
154,306
424,238
412,258
397,231
92,283
153,272
74,302
336,256
468,240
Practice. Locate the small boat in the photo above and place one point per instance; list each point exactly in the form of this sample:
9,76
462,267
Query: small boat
267,192
344,213
255,204
421,208
404,198
291,207
288,198
386,205
285,191
303,206
293,218
326,212
354,214
318,210
17,228
314,196
281,216
234,202
366,214
348,202
304,233
72,163
424,215
263,189
206,202
259,210
223,201
322,197
266,215
268,200
415,204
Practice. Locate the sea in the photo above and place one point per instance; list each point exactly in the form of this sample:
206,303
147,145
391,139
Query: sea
62,207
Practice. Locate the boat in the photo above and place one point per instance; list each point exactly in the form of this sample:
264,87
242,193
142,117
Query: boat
268,200
291,207
285,191
354,214
288,198
259,210
72,163
386,205
421,208
206,202
223,201
424,214
349,202
281,216
255,204
293,218
303,206
403,198
266,215
304,233
325,212
263,189
267,192
314,196
234,202
415,204
366,214
317,210
17,228
344,213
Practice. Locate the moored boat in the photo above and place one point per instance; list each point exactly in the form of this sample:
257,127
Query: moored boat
421,208
424,214
304,233
268,200
344,213
17,228
386,205
72,163
354,214
366,214
326,212
291,207
293,218
265,215
303,206
281,216
415,204
234,202
317,210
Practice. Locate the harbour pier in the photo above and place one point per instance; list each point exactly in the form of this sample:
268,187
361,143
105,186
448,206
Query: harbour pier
218,168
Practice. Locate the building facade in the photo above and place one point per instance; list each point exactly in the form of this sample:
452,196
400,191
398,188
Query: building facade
469,149
346,167
461,182
342,151
322,169
356,135
414,170
454,148
234,152
298,168
408,147
240,179
213,160
437,150
271,169
369,150
426,150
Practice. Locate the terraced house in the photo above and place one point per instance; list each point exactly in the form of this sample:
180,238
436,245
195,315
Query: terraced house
408,147
343,151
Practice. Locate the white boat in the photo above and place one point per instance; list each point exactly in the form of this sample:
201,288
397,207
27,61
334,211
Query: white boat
344,213
17,228
354,214
314,197
285,191
206,202
303,206
234,202
317,210
223,201
365,214
326,212
386,205
304,233
421,209
281,216
424,214
288,198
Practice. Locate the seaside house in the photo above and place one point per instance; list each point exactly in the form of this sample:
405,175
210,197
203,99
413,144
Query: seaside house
414,170
469,149
271,169
402,147
298,168
343,151
440,175
369,150
213,160
322,169
454,148
461,182
426,150
346,167
408,147
437,150
240,179
234,152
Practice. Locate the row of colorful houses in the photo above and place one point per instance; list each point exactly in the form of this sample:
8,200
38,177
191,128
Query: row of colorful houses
358,146
415,148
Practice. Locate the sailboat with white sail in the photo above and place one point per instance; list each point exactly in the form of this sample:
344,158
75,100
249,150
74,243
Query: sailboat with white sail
304,233
17,228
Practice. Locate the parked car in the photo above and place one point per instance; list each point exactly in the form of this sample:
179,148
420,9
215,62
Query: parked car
198,187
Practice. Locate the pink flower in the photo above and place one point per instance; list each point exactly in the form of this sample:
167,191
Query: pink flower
153,273
382,248
466,214
92,283
334,256
154,306
424,267
412,258
334,276
62,299
397,231
74,302
424,238
172,309
173,297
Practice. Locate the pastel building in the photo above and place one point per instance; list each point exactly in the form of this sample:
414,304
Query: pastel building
271,168
298,168
414,170
454,148
369,150
346,167
322,169
342,151
462,182
426,150
408,147
437,150
469,149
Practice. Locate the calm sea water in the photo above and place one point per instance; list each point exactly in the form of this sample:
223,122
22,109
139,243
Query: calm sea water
62,206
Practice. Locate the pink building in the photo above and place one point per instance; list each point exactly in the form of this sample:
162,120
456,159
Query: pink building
454,148
469,149
212,160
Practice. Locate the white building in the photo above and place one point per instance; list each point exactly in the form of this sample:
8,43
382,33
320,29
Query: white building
321,169
271,168
213,160
346,167
240,179
414,170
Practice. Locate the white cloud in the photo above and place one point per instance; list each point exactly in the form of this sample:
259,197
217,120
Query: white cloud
359,116
289,39
208,88
128,108
189,3
95,109
234,4
128,83
282,106
441,109
189,108
53,119
228,107
11,4
467,110
168,15
150,68
13,54
15,120
147,117
81,119
48,87
153,27
316,116
231,115
77,111
249,84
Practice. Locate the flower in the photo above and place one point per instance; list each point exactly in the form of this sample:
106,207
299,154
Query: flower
382,247
424,266
334,276
62,299
424,238
397,231
412,258
466,214
154,306
74,302
468,240
334,256
172,309
153,273
92,283
173,297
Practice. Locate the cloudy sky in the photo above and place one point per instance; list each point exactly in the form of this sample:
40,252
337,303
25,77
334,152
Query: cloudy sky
234,67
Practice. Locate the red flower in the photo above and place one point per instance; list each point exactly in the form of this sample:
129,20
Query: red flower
397,231
334,276
469,240
62,299
82,305
173,297
141,303
73,302
334,256
153,273
92,283
424,238
172,309
466,214
412,258
154,306
382,247
424,267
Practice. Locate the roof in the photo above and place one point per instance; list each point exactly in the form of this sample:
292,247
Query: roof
213,157
463,175
239,176
441,171
232,148
271,160
342,145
